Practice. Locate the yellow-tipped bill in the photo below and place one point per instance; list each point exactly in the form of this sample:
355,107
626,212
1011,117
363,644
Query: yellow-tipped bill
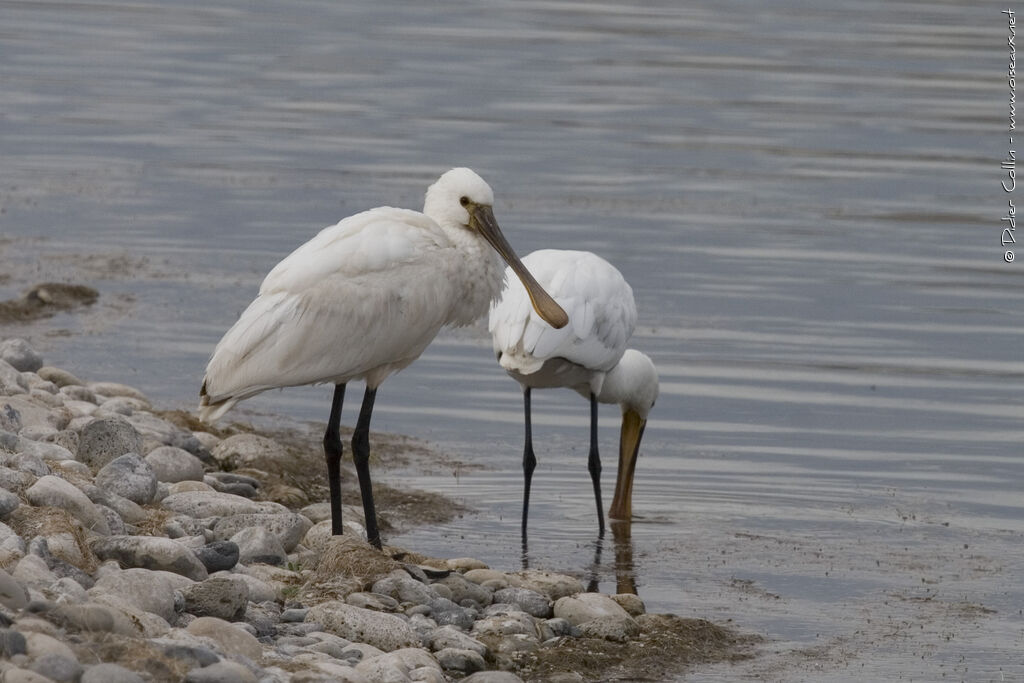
629,448
481,218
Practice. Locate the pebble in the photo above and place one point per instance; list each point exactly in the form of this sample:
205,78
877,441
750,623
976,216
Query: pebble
250,450
9,502
11,381
58,376
57,668
218,556
110,673
288,527
224,597
18,675
151,591
105,439
260,590
150,552
384,631
12,643
598,616
231,639
256,544
20,355
531,602
172,464
56,492
463,661
111,389
449,637
221,672
134,537
209,504
128,476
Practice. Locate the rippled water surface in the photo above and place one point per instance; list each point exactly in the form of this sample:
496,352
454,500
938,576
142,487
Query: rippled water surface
804,196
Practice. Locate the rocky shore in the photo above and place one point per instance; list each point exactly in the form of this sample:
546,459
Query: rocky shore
138,545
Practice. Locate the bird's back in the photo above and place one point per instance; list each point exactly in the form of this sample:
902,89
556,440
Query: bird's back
599,301
362,299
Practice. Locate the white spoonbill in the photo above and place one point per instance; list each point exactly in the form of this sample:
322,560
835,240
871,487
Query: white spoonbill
362,300
588,355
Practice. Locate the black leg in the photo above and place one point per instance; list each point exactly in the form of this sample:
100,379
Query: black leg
361,456
332,453
529,460
594,464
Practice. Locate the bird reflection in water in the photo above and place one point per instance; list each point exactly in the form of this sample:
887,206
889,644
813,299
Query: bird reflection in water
622,542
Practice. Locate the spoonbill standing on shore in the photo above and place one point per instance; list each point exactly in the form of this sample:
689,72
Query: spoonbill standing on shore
362,300
588,355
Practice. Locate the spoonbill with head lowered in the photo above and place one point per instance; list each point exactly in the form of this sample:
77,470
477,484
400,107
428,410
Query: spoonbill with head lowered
362,300
588,355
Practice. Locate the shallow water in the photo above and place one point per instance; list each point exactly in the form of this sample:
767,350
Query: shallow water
804,196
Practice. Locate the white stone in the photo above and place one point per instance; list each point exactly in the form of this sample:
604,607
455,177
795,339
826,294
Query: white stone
149,590
384,631
230,639
172,464
56,492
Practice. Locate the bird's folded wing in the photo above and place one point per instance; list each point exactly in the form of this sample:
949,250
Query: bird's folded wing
599,302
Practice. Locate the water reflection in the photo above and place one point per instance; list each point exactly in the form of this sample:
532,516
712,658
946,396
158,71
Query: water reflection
622,568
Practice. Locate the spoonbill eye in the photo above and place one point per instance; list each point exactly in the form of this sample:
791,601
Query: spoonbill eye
464,201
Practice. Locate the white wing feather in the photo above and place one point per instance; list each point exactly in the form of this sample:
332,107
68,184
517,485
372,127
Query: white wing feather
319,318
598,300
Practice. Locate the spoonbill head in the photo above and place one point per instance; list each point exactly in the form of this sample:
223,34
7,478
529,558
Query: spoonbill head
360,301
633,384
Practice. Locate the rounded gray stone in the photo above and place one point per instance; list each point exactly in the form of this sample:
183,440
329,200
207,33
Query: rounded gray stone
58,376
56,492
193,654
148,590
111,389
256,544
110,673
404,588
172,464
221,672
464,661
251,450
202,504
218,556
449,637
294,614
384,631
57,668
9,502
11,381
445,612
105,439
151,552
529,601
288,526
221,596
20,355
77,392
128,476
597,616
462,589
11,643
